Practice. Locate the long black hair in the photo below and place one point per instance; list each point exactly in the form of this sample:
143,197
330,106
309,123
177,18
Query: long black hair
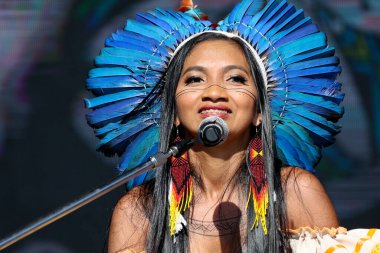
159,239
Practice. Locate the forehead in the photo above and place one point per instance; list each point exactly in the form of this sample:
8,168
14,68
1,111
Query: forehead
216,52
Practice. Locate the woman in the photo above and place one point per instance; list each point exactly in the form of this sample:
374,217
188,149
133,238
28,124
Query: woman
241,195
216,80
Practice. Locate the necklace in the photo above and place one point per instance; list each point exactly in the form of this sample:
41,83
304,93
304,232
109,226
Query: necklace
217,228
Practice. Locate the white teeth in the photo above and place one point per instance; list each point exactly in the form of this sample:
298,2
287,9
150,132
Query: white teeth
213,111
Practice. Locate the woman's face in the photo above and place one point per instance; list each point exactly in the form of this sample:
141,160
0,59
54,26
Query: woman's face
216,80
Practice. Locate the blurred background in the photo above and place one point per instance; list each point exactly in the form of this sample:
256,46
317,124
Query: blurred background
47,151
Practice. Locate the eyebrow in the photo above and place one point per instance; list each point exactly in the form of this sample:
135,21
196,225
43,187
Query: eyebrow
194,68
230,67
203,69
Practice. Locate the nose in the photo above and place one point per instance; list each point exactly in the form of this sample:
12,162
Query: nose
215,92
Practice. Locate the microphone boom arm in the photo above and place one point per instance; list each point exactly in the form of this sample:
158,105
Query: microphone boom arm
155,161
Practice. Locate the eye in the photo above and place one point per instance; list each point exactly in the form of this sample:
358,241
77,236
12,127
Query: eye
193,79
237,79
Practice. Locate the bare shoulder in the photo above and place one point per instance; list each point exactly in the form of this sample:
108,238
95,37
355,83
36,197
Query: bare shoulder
306,199
129,224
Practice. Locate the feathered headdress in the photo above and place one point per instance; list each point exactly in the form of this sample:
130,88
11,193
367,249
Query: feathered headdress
299,66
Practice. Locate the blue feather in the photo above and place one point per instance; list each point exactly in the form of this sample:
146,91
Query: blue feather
125,61
116,136
145,29
113,82
326,65
113,112
255,7
180,24
239,11
117,41
292,33
121,82
319,71
323,135
148,176
268,21
100,132
265,41
314,41
115,71
318,120
106,99
131,39
159,23
255,21
301,32
286,15
295,145
171,20
315,54
124,134
294,151
125,35
291,156
185,19
251,22
326,88
295,21
129,54
140,149
333,60
314,103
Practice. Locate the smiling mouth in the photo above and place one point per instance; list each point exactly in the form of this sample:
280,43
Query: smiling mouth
221,113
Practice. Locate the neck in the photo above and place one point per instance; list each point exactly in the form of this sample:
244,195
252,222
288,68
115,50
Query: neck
217,166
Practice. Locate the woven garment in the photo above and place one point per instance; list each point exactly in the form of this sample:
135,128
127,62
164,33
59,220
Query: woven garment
300,72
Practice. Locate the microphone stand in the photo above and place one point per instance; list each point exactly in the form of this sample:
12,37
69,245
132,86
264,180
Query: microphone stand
155,161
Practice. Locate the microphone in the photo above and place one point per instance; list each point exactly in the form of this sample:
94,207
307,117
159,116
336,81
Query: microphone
212,131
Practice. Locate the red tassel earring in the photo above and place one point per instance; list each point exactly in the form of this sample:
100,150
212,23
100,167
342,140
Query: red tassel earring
258,183
180,192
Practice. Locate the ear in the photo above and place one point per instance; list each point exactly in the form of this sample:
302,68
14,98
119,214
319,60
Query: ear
257,120
176,121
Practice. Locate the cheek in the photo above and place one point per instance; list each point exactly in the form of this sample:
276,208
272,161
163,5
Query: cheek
245,101
246,107
185,105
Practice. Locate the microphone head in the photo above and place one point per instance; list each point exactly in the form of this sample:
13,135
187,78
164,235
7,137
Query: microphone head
212,131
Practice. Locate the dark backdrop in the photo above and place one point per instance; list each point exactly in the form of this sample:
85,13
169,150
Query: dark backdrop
47,152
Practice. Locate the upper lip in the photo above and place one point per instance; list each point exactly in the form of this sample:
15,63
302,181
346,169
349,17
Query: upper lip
215,107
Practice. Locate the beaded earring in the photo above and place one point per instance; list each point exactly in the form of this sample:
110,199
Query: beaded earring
180,191
258,183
